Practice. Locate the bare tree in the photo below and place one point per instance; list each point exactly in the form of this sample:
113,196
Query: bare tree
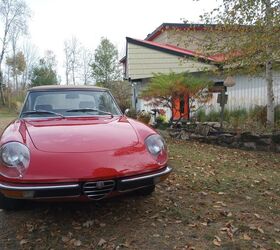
86,61
72,50
13,13
67,60
31,58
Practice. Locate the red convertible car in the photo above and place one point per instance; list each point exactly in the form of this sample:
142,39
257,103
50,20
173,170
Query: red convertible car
74,143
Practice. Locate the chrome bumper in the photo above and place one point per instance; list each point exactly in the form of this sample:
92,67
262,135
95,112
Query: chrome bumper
78,189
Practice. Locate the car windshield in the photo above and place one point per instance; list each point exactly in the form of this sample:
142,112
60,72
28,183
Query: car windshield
64,103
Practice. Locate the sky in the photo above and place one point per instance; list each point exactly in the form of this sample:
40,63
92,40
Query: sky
54,21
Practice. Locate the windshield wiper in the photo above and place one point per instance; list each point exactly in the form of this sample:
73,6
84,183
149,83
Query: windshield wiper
41,111
90,110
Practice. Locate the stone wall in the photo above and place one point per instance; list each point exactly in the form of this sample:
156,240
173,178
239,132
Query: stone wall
210,134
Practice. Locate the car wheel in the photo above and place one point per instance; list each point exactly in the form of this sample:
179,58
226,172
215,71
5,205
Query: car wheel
9,204
146,190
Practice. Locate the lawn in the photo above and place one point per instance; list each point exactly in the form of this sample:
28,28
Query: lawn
216,198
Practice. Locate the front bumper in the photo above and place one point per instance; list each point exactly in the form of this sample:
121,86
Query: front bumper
94,190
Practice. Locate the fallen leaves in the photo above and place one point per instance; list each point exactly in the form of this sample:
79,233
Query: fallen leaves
101,242
23,242
246,237
217,241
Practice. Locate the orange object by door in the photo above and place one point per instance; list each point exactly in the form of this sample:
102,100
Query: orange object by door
181,107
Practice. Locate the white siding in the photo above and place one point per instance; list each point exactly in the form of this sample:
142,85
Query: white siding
249,92
143,62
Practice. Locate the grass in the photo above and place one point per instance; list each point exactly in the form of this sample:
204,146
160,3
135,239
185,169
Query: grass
253,120
213,193
6,113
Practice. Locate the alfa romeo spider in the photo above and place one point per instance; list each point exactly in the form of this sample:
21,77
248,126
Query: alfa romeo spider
74,143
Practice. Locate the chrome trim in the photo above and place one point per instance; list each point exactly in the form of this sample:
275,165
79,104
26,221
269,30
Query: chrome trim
93,192
31,188
167,170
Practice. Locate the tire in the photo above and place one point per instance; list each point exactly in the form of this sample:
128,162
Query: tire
146,190
9,204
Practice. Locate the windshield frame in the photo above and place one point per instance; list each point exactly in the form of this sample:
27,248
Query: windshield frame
21,116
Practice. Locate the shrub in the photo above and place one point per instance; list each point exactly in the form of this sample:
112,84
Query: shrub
258,114
213,116
144,117
201,115
160,119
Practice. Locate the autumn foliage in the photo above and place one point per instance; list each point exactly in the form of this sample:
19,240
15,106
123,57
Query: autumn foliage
164,88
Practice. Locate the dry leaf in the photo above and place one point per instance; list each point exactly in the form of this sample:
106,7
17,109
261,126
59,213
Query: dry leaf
218,238
101,242
88,223
77,243
23,241
65,239
216,243
257,216
260,230
246,237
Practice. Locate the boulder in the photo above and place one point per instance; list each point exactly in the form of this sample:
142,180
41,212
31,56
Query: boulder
276,137
249,137
250,145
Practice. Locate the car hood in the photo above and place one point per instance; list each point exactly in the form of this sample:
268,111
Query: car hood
78,135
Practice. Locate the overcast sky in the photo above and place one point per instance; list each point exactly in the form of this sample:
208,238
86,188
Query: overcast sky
53,21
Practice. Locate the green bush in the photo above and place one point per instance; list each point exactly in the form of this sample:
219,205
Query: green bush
213,116
201,115
160,119
254,119
258,114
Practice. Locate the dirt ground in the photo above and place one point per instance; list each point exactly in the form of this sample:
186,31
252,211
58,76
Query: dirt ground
216,198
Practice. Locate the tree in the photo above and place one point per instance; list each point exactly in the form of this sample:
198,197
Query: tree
17,64
249,39
31,58
121,90
45,72
13,13
163,89
72,50
105,68
86,61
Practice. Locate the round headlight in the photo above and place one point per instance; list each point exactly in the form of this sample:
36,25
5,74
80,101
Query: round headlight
155,144
15,155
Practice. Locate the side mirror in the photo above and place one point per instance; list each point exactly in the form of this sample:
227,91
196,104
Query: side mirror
126,112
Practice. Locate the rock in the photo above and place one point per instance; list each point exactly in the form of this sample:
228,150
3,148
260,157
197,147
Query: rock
202,129
250,145
235,144
184,135
211,139
249,137
196,137
174,134
226,138
276,137
277,148
264,141
215,125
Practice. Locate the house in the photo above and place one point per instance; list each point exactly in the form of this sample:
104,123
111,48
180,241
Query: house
173,47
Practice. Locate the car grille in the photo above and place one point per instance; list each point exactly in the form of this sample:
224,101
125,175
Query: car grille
98,190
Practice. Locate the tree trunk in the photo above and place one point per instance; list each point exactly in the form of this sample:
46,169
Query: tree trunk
270,95
1,88
268,67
